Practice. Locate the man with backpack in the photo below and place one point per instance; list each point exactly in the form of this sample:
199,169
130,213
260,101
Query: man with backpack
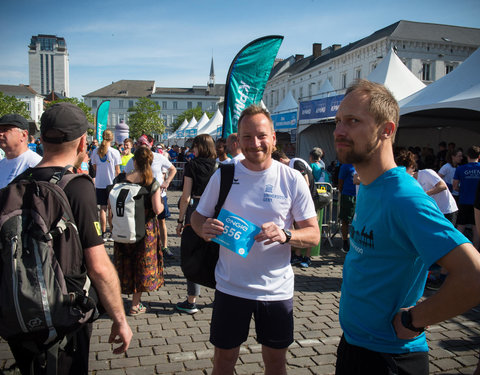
63,132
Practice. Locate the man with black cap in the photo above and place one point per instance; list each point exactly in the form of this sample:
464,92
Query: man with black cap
63,133
14,142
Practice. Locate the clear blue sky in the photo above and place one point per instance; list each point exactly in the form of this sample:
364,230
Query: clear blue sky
172,41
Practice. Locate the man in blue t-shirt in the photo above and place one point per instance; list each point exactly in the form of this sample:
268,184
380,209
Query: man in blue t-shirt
348,192
396,234
465,181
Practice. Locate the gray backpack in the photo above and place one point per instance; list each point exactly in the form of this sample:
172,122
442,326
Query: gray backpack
44,288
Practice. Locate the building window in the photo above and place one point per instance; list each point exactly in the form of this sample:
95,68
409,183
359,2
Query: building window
300,92
189,105
164,104
199,105
293,93
130,103
271,99
426,68
156,102
448,68
28,105
283,93
374,65
358,73
94,103
175,105
120,103
344,80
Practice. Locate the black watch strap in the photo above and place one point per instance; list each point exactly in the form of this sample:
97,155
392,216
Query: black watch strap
407,321
288,235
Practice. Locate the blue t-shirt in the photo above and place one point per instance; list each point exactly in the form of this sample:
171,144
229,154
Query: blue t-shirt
346,174
396,234
317,170
469,176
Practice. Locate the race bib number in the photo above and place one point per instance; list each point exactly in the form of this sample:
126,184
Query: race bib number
237,233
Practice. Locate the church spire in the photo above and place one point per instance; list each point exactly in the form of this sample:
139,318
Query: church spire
211,80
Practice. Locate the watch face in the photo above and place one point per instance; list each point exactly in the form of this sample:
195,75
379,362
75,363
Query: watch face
288,234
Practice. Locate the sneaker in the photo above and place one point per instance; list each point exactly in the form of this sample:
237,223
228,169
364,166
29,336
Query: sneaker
306,261
185,306
346,246
434,283
107,237
167,253
295,259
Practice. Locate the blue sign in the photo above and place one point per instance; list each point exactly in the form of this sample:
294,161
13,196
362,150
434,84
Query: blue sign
237,233
320,108
191,133
180,134
285,120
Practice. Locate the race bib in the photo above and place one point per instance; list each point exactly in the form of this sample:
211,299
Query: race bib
237,233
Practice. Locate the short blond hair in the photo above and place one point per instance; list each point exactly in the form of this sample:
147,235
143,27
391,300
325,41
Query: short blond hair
255,109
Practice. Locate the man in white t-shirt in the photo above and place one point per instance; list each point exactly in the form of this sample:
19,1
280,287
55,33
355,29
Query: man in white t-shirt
234,149
14,142
271,196
159,165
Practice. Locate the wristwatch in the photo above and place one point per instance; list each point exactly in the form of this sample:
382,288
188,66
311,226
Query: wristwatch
288,235
180,221
407,321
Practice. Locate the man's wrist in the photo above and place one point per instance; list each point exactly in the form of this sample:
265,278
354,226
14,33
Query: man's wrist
406,319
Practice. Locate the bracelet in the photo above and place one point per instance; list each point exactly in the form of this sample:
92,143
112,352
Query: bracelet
406,319
180,221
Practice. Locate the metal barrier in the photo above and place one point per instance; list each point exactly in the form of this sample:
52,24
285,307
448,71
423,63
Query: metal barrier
177,181
330,224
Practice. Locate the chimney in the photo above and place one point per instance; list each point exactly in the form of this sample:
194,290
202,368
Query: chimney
298,57
336,46
317,50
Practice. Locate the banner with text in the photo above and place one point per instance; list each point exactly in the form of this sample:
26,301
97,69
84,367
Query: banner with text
285,121
102,119
247,77
319,109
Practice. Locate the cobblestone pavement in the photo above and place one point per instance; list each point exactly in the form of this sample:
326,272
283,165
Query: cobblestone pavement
167,342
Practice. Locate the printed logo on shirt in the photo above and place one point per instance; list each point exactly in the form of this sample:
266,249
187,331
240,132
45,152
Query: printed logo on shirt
235,181
97,227
269,196
363,238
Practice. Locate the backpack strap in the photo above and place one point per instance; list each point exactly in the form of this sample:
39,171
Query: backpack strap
227,172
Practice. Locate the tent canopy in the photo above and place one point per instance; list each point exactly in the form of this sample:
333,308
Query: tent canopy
393,73
211,126
288,104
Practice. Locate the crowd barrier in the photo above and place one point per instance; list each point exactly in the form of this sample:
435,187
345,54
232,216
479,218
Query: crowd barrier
177,181
330,223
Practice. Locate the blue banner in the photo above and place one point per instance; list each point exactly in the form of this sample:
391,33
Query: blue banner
102,119
285,121
247,77
319,109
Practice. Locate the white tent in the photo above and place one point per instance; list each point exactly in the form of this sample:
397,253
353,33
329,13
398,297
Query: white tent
180,128
393,73
211,126
200,124
326,89
446,110
288,104
191,124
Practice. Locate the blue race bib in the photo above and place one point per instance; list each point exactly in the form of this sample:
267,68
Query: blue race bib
237,233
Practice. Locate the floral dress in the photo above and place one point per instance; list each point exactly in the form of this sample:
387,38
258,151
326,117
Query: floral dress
140,265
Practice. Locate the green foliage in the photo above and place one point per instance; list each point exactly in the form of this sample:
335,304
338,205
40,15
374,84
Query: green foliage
85,108
145,118
188,114
10,104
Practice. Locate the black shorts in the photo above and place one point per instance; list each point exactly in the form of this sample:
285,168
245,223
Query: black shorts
353,360
102,197
231,321
347,208
465,214
165,214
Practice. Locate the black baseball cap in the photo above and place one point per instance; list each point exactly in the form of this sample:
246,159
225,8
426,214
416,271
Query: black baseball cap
63,122
15,120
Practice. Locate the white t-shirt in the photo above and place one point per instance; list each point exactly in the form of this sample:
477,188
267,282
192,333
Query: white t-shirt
427,179
105,167
226,161
159,165
448,171
237,158
277,194
11,168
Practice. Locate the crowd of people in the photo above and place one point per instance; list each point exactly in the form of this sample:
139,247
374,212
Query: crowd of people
399,213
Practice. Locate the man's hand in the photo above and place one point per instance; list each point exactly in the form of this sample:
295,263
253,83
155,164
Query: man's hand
270,233
403,332
120,333
211,228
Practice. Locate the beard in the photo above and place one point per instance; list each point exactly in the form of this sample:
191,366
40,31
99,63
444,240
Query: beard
355,156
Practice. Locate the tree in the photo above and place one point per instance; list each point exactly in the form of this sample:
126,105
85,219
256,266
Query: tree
188,114
10,104
145,118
